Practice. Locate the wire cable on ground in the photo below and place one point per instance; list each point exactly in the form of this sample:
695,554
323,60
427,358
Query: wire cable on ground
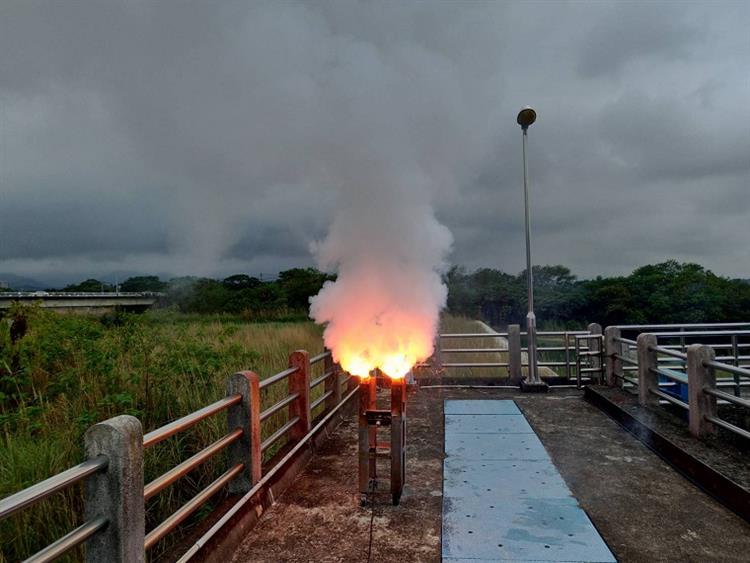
372,519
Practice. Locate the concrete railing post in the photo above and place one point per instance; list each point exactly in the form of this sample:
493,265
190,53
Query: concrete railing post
332,384
595,347
514,355
700,378
648,360
245,415
117,492
299,382
612,348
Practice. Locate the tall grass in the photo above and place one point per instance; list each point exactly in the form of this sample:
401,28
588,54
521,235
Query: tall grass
74,371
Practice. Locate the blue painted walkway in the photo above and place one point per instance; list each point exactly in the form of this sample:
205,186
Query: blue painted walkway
503,499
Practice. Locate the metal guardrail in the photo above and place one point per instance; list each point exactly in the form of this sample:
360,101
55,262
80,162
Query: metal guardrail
733,338
665,369
653,327
192,419
245,423
736,399
34,494
565,353
593,351
77,294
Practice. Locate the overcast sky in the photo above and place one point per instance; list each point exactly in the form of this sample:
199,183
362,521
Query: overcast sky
213,137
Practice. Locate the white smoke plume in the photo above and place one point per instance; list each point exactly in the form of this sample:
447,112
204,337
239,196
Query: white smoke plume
388,249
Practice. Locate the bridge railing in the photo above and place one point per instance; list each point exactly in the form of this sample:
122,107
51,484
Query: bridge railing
32,495
26,295
115,494
732,346
574,355
684,373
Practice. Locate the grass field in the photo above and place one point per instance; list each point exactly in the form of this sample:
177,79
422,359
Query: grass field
73,371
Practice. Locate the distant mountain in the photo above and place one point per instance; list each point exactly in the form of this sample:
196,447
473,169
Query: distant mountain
21,283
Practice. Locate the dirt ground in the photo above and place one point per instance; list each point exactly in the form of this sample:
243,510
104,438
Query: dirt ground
644,510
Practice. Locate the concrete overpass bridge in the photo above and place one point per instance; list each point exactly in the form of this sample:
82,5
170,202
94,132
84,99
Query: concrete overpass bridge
82,302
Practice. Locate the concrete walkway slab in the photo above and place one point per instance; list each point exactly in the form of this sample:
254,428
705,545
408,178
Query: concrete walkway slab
488,423
480,407
537,478
494,447
503,499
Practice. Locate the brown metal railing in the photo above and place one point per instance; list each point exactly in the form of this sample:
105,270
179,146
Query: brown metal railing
245,424
297,424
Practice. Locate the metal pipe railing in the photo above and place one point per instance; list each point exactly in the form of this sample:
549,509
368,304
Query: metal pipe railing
671,374
20,500
668,352
320,399
669,398
714,346
697,376
520,355
701,333
187,421
475,335
739,401
278,377
728,426
474,350
190,506
315,382
626,359
122,436
728,368
475,365
320,357
226,517
276,407
162,482
68,541
688,325
268,442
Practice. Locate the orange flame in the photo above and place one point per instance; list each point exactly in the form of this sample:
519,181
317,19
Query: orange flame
393,343
380,317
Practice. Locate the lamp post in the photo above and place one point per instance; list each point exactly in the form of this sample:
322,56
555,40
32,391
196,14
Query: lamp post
533,382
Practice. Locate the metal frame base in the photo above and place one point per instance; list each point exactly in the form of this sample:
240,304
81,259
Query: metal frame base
370,421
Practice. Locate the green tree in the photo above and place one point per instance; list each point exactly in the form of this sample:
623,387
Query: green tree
299,284
90,285
143,283
241,281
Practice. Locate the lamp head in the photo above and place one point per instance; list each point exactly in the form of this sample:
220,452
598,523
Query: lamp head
526,117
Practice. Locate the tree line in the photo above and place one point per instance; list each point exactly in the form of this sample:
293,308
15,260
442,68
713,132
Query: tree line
238,294
669,292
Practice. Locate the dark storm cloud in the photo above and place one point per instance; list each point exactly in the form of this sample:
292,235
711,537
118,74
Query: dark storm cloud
64,225
207,138
629,31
